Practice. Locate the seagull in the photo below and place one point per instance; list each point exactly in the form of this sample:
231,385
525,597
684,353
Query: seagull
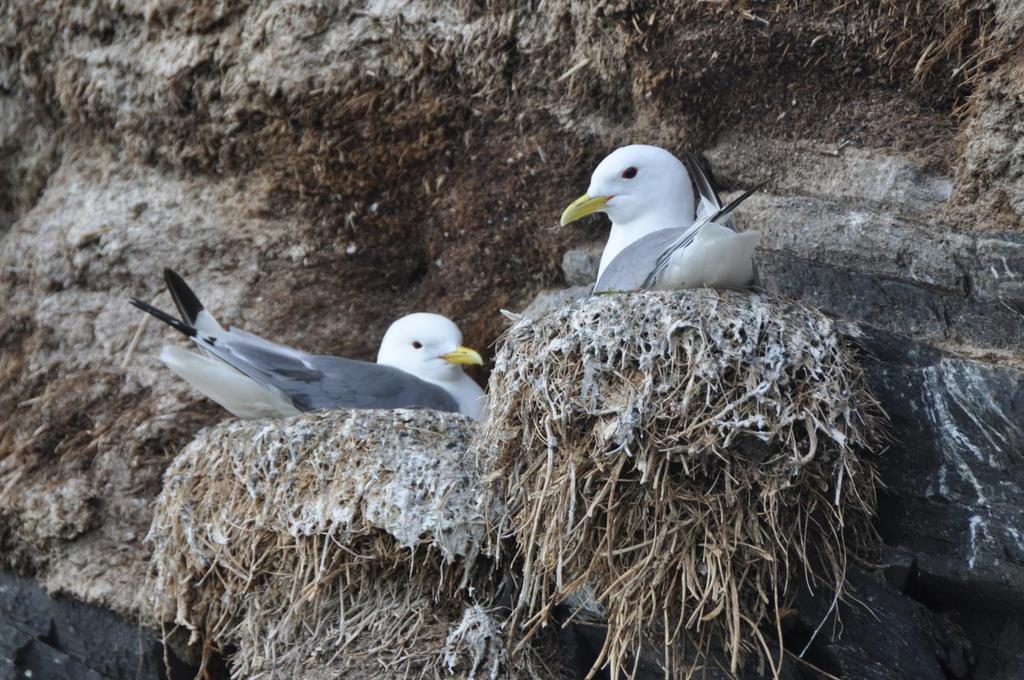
419,365
659,238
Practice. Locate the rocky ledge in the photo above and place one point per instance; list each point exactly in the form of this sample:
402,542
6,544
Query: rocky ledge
320,168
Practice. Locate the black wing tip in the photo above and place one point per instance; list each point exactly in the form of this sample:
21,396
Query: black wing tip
177,325
695,160
736,201
702,175
185,299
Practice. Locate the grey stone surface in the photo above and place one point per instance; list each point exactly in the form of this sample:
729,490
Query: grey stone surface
854,642
875,242
1001,649
880,635
580,265
553,298
952,320
847,174
955,471
56,638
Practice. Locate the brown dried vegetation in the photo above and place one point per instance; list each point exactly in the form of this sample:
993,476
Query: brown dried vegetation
689,459
333,545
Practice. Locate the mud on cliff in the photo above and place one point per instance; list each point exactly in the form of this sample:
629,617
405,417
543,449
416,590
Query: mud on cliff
317,169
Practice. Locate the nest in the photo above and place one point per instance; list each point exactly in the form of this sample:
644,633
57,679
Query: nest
342,544
681,461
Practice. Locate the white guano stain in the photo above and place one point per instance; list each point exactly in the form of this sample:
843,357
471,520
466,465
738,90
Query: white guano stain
1016,536
976,523
957,442
970,382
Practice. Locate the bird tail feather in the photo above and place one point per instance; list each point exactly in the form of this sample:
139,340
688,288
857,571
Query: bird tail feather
216,380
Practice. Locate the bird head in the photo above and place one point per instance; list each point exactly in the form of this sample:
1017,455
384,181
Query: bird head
429,346
634,184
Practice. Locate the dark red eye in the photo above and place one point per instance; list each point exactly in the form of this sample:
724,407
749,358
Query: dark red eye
417,344
629,173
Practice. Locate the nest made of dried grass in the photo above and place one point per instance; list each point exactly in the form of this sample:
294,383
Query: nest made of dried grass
685,457
341,544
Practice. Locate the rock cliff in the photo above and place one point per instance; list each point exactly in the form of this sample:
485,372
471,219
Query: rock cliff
318,168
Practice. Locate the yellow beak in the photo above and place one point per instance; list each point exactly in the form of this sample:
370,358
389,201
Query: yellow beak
583,206
464,356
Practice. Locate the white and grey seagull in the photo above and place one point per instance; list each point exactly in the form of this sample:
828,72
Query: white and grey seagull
419,365
661,236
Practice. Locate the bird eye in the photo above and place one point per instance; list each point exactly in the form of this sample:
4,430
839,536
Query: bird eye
417,344
629,173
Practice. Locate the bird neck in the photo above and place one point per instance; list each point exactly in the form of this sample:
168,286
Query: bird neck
464,390
447,377
625,233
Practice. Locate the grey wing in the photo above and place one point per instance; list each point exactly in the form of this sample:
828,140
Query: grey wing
632,268
360,384
319,382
